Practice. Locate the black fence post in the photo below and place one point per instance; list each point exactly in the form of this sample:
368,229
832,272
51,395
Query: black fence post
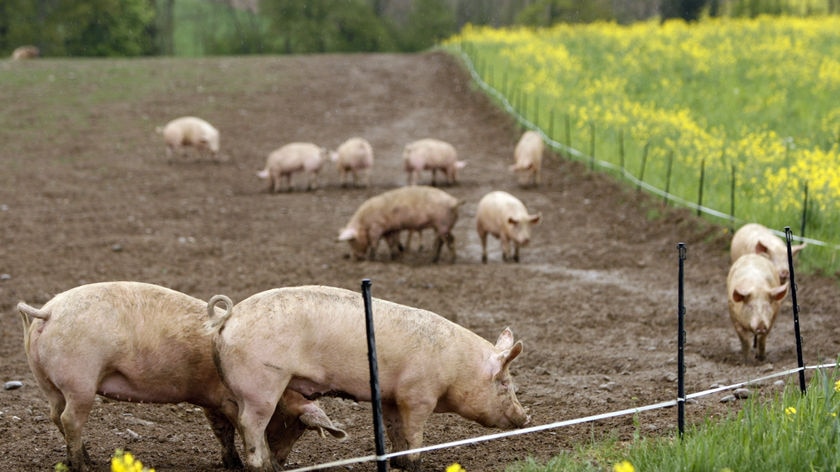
644,163
792,287
700,191
681,341
668,178
804,212
375,393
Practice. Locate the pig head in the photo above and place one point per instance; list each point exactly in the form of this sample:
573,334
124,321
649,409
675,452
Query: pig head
753,238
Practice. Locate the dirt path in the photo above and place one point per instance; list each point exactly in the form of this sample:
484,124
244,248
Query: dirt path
594,297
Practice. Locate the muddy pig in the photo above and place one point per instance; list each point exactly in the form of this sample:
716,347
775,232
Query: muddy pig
407,208
505,217
528,156
753,238
312,340
434,155
291,158
754,294
140,342
189,131
353,156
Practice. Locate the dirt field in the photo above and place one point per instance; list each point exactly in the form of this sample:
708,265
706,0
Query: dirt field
87,194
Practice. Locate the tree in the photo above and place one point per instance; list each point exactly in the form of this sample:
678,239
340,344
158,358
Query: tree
429,22
548,12
688,10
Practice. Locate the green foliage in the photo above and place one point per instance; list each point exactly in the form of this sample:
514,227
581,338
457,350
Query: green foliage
430,21
548,12
73,28
325,26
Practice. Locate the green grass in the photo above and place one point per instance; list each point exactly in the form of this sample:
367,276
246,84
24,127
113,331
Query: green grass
788,432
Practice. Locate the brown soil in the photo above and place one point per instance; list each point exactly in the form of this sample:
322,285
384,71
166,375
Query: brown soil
594,297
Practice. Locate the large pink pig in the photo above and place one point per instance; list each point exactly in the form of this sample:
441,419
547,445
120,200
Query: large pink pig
434,155
505,217
312,340
353,156
528,156
290,159
411,208
140,342
753,238
755,295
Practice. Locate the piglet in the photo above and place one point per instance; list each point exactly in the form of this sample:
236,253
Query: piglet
434,155
753,238
140,342
353,156
289,159
407,208
311,340
505,217
755,295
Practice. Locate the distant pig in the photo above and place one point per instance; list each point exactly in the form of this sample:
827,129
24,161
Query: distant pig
434,155
405,208
311,340
189,131
291,158
139,342
353,156
26,52
753,238
505,217
528,156
755,294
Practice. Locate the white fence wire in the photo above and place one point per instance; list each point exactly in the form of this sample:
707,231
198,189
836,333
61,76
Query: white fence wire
558,424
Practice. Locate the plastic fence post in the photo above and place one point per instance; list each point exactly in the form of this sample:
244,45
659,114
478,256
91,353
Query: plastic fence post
681,341
644,163
591,145
376,395
792,286
668,177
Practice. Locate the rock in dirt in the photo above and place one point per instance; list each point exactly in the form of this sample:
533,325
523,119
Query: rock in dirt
12,385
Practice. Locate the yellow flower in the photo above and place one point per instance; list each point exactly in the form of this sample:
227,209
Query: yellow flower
624,466
790,411
456,467
837,386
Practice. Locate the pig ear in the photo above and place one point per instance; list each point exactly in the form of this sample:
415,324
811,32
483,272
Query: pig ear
739,295
505,340
535,219
760,248
347,234
513,221
507,356
797,248
779,292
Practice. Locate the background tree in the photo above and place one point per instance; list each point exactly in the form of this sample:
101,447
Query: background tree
688,10
548,12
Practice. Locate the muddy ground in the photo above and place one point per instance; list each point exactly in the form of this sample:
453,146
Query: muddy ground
87,194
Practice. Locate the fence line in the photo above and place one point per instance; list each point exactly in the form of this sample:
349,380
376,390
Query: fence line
489,89
559,424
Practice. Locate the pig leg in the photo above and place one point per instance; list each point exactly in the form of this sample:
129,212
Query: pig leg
224,431
515,252
482,235
405,431
505,247
744,335
73,420
760,341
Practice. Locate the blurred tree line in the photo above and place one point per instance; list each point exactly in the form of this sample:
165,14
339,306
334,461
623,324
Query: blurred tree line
203,27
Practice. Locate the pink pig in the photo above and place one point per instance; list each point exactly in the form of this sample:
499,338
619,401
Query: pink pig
528,156
292,158
312,340
353,156
505,217
753,238
140,342
189,131
434,155
755,295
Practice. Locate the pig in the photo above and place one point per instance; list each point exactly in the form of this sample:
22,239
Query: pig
141,342
505,217
528,156
406,208
190,131
353,156
754,293
311,340
753,238
434,155
291,158
26,52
